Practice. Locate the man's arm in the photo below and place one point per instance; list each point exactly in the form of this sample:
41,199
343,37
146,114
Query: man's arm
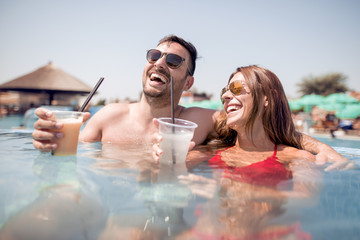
325,154
92,131
205,119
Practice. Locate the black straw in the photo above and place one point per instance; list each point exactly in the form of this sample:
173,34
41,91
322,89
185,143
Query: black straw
172,100
91,94
172,115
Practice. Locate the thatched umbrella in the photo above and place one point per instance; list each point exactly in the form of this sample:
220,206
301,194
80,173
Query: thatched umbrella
48,79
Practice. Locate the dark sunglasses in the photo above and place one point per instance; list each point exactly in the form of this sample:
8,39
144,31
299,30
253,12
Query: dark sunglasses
235,88
172,60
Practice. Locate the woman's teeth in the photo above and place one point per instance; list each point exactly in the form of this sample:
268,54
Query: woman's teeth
233,108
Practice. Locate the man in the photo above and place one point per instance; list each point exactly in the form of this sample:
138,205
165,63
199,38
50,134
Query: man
118,122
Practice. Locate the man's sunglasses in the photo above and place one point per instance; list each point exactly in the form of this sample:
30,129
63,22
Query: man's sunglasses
235,88
172,60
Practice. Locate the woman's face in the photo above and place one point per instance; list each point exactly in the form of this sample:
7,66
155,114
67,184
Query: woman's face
238,104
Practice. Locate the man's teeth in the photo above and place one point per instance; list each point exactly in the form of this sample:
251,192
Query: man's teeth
156,77
233,108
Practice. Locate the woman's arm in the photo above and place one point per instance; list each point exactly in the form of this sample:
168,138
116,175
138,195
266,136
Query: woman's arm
325,154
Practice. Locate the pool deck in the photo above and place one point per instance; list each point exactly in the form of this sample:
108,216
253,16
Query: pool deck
338,135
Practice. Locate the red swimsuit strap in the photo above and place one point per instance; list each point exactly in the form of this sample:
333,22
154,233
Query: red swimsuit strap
274,154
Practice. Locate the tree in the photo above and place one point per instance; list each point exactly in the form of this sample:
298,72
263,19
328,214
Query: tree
323,85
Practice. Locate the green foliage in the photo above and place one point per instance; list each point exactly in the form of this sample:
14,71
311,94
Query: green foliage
323,85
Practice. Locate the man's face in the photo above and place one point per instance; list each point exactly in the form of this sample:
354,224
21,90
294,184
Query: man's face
156,76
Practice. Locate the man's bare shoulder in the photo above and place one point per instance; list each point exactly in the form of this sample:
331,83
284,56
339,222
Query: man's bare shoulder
194,113
112,110
205,119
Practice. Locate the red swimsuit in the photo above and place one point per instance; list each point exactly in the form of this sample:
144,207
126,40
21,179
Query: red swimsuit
269,172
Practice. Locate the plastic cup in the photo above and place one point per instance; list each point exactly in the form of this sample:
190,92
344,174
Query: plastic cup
176,139
71,121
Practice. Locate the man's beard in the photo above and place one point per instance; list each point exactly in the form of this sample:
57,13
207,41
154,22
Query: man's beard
160,99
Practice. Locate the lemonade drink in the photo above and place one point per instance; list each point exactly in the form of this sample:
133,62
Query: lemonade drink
175,145
71,127
176,139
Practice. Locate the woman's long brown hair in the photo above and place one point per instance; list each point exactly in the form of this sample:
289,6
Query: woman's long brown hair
277,121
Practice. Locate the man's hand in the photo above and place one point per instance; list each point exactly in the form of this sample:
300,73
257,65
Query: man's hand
157,138
43,136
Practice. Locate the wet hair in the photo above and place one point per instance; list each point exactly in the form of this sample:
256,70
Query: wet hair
276,117
187,45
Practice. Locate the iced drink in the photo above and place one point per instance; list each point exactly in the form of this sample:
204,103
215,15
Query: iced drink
71,127
176,139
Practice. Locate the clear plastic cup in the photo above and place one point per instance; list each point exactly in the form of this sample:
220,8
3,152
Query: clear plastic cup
176,139
71,121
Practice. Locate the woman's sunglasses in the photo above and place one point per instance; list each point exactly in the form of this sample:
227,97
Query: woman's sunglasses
172,60
235,88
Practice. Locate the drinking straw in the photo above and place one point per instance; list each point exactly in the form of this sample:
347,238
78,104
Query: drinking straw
91,94
172,115
172,100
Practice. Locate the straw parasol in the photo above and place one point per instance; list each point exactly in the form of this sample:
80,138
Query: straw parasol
47,79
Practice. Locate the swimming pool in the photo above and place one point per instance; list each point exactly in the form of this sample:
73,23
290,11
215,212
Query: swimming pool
109,191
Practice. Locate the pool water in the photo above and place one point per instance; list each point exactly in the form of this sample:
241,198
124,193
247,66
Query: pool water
109,191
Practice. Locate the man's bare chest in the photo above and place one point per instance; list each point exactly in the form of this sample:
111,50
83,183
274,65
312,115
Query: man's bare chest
128,131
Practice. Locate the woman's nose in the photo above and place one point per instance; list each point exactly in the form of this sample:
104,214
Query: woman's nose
226,95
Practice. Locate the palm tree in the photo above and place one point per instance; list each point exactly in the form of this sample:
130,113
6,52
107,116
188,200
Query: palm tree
323,85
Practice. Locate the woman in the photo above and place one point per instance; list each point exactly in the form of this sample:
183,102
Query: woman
259,149
257,127
256,123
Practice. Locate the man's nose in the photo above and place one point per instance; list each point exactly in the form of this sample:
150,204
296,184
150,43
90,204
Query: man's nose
162,60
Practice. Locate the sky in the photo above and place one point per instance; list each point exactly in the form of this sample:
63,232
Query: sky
91,39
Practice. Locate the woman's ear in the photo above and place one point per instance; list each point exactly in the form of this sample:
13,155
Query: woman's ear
189,83
266,103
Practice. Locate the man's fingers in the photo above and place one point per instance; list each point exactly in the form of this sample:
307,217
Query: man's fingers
46,136
192,145
47,124
86,116
157,152
156,122
43,113
44,146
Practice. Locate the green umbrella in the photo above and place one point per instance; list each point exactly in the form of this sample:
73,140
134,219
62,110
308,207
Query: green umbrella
308,101
353,107
312,99
349,112
216,105
340,98
295,105
331,107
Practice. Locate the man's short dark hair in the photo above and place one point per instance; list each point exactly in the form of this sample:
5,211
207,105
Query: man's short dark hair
187,45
